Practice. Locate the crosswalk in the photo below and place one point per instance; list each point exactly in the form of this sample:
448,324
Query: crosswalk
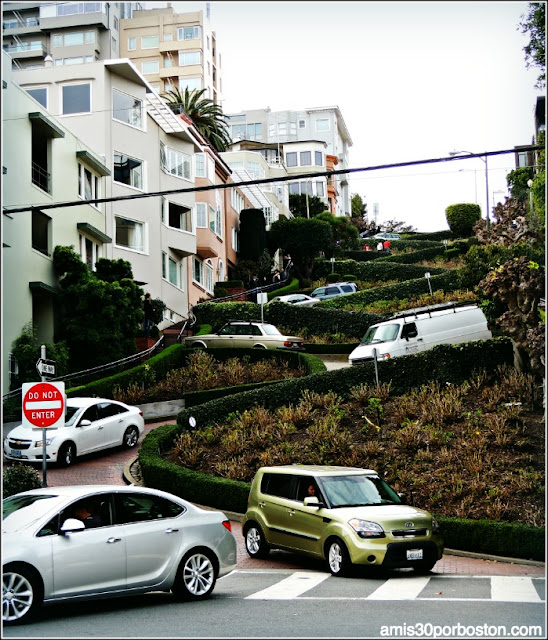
306,585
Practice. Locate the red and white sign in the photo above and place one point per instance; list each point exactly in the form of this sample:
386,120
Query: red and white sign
43,404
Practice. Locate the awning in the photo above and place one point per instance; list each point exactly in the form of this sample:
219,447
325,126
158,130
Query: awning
42,287
93,162
46,125
92,231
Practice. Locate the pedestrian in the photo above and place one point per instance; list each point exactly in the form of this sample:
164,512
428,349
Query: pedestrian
366,247
386,245
380,246
149,313
254,286
276,279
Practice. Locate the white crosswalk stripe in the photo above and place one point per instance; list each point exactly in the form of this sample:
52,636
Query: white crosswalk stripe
513,589
400,589
291,587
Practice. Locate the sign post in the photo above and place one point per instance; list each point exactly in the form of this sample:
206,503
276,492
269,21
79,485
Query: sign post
43,406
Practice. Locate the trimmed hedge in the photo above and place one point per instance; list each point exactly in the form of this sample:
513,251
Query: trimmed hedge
378,270
498,538
292,287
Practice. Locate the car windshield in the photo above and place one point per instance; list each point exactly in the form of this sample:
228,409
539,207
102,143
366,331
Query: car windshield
381,333
358,491
20,511
271,330
71,415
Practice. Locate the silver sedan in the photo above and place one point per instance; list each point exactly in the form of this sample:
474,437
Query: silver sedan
82,542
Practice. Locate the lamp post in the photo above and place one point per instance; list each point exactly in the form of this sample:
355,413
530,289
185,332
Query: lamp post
456,153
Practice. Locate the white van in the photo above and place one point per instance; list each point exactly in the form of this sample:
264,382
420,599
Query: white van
420,329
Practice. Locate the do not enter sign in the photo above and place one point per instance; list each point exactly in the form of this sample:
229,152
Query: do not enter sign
43,404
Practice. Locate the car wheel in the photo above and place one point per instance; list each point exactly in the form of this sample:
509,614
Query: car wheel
196,576
255,542
22,594
338,559
67,454
259,346
130,437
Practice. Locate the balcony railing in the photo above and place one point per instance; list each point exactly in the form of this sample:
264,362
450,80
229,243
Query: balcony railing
41,178
24,46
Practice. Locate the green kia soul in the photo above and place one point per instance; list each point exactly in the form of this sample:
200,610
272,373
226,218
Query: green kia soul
346,516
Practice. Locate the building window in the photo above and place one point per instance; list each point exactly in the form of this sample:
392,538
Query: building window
89,252
192,84
200,165
131,44
13,369
59,62
282,128
320,189
234,238
217,226
149,42
41,232
305,158
116,24
76,98
236,200
198,271
128,170
209,281
168,37
188,33
127,109
130,234
176,216
175,162
294,188
187,58
40,94
322,124
302,124
202,218
318,158
152,66
40,158
89,185
72,8
172,271
291,159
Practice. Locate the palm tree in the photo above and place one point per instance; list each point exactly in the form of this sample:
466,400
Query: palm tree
207,115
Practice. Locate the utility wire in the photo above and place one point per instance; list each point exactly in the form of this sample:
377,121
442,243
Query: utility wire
292,178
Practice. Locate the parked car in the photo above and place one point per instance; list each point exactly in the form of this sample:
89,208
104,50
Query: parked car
91,424
334,290
139,540
299,299
244,333
345,516
420,329
387,236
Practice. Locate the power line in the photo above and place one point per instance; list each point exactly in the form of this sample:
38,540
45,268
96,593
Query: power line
293,178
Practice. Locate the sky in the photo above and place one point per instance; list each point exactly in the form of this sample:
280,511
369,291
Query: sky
413,81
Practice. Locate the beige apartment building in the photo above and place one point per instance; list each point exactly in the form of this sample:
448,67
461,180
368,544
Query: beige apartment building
173,51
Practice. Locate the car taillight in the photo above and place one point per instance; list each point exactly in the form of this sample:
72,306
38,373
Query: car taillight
227,525
288,344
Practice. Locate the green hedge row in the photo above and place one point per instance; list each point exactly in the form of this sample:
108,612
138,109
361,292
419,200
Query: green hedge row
445,363
497,538
446,282
375,270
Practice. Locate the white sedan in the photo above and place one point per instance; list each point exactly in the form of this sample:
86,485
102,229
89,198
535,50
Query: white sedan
99,541
299,299
91,424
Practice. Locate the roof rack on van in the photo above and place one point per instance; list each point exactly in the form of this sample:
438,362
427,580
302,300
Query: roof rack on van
429,309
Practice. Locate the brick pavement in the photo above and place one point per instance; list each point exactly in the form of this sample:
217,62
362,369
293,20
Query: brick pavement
108,468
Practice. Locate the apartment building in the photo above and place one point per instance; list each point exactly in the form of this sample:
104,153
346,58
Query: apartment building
67,32
174,50
43,162
304,134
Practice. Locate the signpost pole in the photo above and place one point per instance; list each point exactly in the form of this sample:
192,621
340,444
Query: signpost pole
44,464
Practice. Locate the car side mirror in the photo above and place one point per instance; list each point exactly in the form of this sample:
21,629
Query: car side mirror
312,501
84,423
402,497
72,524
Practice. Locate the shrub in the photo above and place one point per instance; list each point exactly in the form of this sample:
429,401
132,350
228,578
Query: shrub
462,217
333,277
19,477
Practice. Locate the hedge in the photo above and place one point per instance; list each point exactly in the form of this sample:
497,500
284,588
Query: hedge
378,270
445,363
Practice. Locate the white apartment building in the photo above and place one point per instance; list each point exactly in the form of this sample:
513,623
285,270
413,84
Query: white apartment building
174,50
68,32
310,128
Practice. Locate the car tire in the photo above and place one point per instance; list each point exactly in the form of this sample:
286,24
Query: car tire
338,558
22,594
131,436
196,576
67,454
255,542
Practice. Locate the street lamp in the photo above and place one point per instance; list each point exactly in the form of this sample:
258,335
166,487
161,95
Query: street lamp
456,153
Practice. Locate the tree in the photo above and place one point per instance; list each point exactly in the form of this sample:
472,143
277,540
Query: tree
511,225
344,232
358,208
252,235
298,205
396,226
99,319
462,217
534,24
207,115
517,183
304,240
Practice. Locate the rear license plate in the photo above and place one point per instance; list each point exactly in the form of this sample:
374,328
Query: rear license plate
414,554
15,453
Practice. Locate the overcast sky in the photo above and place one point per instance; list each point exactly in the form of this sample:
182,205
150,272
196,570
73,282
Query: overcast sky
413,81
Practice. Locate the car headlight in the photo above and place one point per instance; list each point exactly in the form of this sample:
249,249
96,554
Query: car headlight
435,526
366,529
39,443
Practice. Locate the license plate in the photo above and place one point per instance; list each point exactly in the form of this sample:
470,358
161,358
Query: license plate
16,453
414,554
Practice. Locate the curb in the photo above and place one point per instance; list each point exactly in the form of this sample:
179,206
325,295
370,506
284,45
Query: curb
238,517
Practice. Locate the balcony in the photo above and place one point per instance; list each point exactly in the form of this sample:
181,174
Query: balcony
41,178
